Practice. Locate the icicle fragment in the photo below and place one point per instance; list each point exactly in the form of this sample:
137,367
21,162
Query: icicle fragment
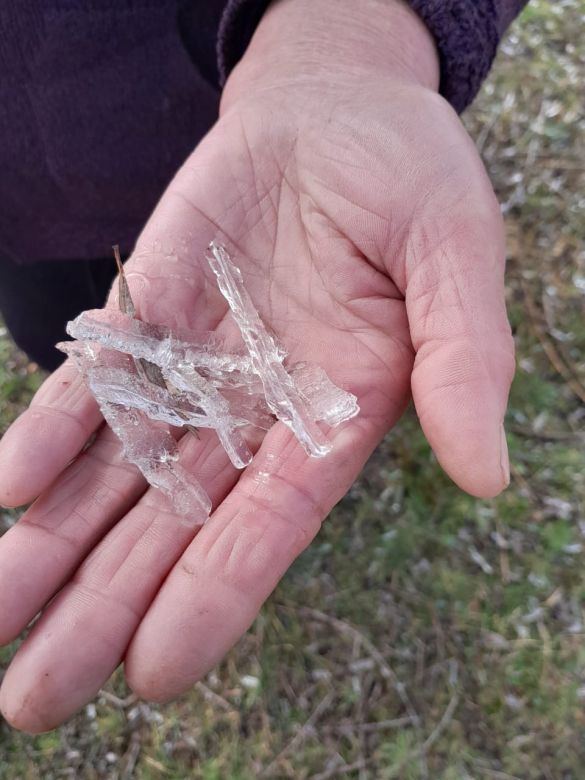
154,451
282,396
145,442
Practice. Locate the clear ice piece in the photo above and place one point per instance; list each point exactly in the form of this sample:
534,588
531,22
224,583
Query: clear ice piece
146,443
197,403
155,344
204,394
326,401
146,378
159,345
154,452
225,371
281,394
232,374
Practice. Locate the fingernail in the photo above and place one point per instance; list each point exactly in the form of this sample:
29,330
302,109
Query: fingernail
504,457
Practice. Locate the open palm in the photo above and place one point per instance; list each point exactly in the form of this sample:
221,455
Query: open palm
369,239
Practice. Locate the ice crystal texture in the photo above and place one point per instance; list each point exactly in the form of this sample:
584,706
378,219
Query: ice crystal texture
147,379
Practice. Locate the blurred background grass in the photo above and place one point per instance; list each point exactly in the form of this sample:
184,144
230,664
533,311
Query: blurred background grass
425,634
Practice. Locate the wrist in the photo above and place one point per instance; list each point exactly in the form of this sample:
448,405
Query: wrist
330,41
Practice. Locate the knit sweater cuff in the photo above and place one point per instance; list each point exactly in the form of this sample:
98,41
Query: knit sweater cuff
466,32
236,27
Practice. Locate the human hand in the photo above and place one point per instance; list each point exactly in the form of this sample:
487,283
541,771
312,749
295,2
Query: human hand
370,240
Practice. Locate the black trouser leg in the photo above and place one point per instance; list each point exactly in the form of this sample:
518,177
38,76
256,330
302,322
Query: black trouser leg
37,300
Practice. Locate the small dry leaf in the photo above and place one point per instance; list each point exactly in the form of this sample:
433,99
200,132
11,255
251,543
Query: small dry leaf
125,301
147,371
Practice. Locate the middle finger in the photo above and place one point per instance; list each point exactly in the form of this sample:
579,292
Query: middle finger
91,621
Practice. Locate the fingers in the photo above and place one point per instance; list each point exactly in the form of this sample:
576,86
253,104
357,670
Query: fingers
167,285
464,349
40,552
214,592
91,621
43,440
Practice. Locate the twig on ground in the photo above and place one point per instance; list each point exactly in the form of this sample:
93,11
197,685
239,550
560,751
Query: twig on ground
368,728
497,774
443,723
429,741
301,735
550,350
131,756
116,701
214,697
337,770
417,752
523,483
385,669
564,436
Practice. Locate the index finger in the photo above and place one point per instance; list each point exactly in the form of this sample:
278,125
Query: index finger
216,588
166,291
63,414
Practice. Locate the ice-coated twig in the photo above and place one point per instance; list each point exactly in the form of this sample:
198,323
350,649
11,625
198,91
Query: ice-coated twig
281,394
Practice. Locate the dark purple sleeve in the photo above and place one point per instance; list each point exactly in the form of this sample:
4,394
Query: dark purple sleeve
467,33
236,27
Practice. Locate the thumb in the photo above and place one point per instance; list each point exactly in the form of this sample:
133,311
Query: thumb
464,361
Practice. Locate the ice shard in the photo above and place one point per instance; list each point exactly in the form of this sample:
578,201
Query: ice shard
154,451
145,442
282,396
